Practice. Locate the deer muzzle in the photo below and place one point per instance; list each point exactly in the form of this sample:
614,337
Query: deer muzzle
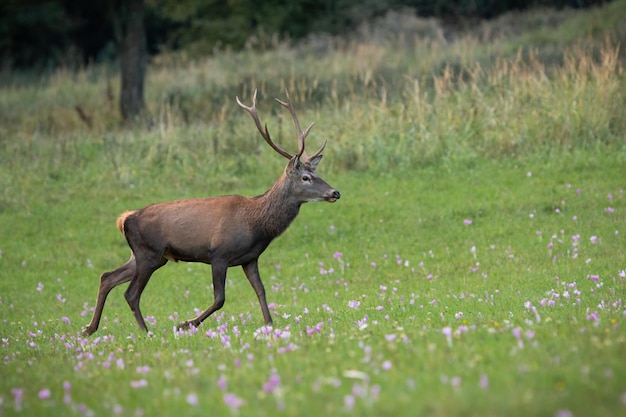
333,196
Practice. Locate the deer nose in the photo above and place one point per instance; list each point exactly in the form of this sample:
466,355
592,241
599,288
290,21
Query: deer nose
332,196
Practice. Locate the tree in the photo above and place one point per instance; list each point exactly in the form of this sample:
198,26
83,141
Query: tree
130,36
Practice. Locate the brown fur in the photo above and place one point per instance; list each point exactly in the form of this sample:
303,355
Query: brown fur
222,231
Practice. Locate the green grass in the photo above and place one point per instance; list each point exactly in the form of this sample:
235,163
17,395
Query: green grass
413,228
473,266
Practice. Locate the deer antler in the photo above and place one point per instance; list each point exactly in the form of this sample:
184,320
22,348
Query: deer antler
264,132
301,135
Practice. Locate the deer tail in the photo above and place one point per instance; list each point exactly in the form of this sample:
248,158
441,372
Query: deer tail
122,219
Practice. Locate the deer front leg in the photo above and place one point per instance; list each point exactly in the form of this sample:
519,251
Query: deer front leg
108,281
219,296
252,272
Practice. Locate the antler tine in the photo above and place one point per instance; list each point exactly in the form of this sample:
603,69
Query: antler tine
264,132
301,134
320,150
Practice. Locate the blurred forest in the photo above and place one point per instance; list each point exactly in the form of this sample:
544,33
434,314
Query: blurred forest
45,34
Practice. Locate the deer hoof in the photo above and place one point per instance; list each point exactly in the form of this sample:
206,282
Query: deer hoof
87,331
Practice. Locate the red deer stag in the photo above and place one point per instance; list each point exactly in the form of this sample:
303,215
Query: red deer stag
222,231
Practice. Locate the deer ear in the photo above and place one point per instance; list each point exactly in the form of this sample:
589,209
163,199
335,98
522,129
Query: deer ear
293,165
313,162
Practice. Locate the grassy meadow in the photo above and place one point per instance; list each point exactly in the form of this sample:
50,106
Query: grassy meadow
475,264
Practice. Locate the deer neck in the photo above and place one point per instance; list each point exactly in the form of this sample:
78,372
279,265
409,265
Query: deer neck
277,208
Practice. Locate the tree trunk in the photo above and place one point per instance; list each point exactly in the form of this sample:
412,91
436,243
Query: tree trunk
128,25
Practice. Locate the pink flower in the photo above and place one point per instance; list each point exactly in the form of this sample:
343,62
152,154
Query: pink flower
232,401
44,394
272,383
484,381
192,399
139,384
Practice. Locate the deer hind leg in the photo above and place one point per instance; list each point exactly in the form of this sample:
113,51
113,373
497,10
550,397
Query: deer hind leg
143,272
108,281
252,272
219,296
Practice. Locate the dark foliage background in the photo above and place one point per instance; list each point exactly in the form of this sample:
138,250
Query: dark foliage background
49,33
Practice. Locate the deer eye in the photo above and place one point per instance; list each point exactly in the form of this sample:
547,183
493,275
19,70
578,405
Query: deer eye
306,178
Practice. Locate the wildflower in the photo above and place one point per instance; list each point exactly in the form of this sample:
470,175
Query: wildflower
390,337
192,399
232,401
354,304
143,369
272,383
467,222
66,396
221,382
44,394
484,381
447,332
386,365
18,394
348,402
337,255
139,384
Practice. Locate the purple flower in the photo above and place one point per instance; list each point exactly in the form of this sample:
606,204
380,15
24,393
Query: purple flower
484,381
139,384
221,383
272,383
386,365
44,394
192,399
354,304
390,337
232,401
143,369
467,222
348,402
337,255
